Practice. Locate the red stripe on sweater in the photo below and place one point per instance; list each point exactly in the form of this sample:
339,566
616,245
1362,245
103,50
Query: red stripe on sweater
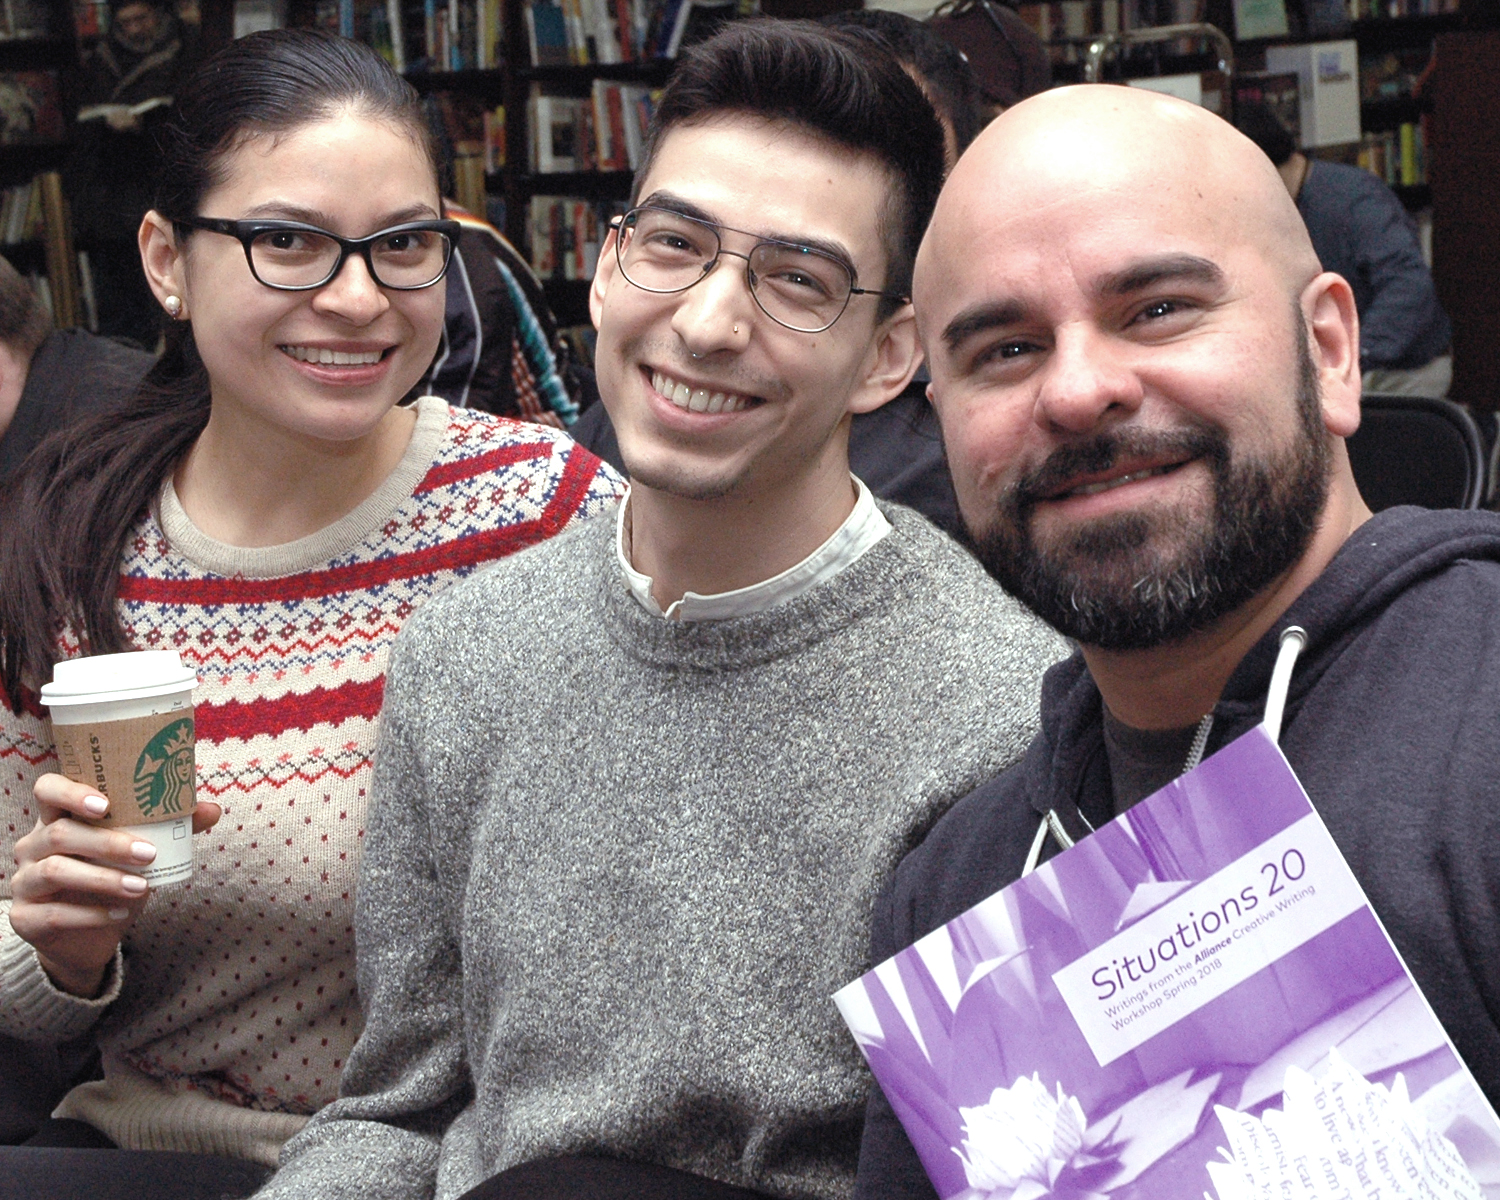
446,474
578,473
15,752
321,706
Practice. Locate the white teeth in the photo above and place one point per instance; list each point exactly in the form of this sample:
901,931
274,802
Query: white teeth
1093,489
337,358
697,399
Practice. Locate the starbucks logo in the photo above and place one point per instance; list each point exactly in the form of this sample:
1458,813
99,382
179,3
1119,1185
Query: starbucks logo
164,772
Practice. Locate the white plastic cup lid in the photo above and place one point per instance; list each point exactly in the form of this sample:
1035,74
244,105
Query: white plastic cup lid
134,675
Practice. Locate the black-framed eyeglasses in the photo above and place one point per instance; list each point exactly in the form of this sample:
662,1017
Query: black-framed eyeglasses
293,257
800,287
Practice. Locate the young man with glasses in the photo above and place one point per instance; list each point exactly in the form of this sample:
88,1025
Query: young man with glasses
597,949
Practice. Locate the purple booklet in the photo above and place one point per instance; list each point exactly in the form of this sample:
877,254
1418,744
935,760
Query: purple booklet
1195,1002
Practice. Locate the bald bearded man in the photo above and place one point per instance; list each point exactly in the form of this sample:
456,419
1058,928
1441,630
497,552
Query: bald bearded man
1145,382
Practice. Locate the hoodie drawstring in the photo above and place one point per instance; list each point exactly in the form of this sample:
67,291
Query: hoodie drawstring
1293,639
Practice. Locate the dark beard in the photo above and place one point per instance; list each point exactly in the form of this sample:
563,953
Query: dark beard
1109,585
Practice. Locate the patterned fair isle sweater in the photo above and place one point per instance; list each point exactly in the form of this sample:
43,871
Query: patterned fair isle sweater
228,1018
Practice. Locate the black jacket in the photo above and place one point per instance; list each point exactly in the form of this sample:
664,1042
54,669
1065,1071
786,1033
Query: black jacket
73,374
1393,726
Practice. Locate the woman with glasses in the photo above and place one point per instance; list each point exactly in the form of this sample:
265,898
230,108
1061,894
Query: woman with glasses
266,506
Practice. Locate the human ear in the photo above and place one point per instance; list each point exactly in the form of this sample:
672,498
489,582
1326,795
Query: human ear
164,261
604,273
894,357
1333,340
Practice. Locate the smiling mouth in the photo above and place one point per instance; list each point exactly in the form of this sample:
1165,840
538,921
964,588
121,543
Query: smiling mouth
699,400
333,358
1106,485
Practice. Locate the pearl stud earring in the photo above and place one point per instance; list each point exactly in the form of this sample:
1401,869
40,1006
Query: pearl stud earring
173,305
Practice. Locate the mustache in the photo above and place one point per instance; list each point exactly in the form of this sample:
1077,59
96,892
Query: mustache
1103,451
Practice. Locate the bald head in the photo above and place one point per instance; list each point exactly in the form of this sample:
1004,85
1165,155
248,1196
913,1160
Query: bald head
1143,375
1127,148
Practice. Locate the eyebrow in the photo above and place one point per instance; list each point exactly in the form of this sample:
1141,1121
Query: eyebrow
687,208
1170,268
281,210
980,318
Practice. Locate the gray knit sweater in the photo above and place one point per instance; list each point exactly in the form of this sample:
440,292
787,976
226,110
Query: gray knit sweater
616,865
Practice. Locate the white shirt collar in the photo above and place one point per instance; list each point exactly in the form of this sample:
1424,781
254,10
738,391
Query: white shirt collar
863,527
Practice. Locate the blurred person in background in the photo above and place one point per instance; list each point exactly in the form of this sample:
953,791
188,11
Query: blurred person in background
1362,231
127,86
50,377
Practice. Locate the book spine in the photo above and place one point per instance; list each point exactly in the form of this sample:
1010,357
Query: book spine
618,159
1409,155
626,26
398,37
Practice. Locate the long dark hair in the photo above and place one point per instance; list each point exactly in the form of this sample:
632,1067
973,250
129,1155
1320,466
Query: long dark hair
66,514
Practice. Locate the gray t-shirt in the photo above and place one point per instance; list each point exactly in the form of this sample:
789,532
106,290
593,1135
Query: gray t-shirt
1142,761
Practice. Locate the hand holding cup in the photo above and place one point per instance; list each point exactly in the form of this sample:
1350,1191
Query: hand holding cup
76,889
120,817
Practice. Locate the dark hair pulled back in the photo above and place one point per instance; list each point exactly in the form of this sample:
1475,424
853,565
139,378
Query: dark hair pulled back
66,514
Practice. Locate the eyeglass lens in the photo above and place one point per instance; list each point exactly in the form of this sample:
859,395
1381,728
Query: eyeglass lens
409,258
801,288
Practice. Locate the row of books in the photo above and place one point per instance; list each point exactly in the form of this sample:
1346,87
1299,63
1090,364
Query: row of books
471,127
21,213
23,20
1398,156
565,233
430,35
1065,20
603,131
1375,10
580,32
90,18
30,108
1392,76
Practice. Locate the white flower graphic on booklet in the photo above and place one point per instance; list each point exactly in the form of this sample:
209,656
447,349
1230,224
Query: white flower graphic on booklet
1336,1137
1018,1142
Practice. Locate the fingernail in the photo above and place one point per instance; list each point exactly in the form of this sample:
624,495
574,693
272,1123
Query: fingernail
118,914
134,883
97,805
144,851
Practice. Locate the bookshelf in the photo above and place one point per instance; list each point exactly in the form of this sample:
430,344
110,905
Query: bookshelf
38,61
535,195
1464,128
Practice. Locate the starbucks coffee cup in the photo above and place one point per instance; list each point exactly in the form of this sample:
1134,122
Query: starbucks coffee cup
123,723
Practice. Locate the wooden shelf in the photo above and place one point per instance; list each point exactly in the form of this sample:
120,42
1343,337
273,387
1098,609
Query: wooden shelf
651,70
490,83
36,53
593,185
1377,34
1415,196
1388,112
